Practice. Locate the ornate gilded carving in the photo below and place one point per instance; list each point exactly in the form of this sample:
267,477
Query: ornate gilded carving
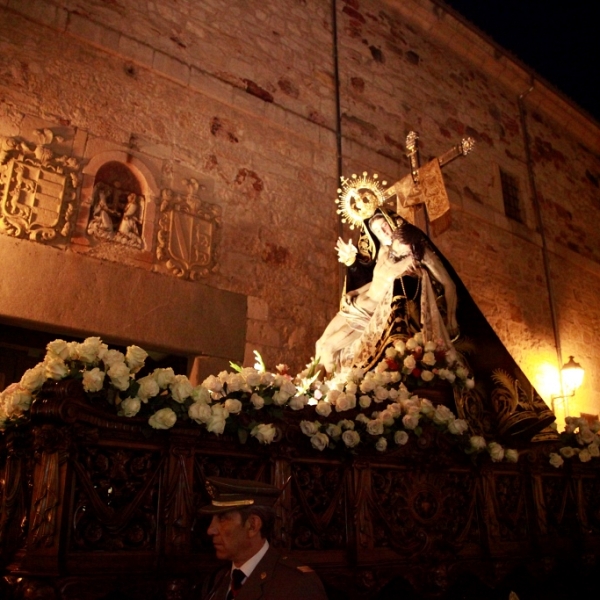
517,412
37,189
188,229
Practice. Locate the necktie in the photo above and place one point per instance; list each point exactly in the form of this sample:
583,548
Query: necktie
237,576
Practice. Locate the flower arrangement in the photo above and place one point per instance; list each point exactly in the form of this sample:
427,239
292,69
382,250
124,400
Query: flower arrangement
367,409
581,439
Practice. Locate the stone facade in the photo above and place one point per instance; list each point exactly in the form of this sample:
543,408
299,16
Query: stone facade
221,117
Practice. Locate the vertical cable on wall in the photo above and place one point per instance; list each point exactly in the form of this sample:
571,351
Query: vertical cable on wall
338,121
540,226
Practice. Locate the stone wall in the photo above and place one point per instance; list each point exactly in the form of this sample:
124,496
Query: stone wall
233,104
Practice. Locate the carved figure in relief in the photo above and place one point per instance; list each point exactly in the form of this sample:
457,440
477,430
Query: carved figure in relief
102,224
399,276
130,222
105,217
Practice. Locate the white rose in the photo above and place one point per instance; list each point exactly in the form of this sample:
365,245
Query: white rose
411,420
289,388
309,427
387,417
181,388
430,347
593,450
257,401
393,394
458,427
148,388
381,394
395,409
298,402
400,437
367,385
400,347
585,435
364,401
585,456
390,352
131,407
381,444
477,442
199,412
213,384
233,406
164,377
34,378
264,433
426,407
201,394
345,402
18,400
55,368
119,376
333,431
350,438
511,455
442,415
362,418
58,349
320,441
333,395
164,418
568,452
427,375
323,408
111,357
428,359
235,382
346,424
496,451
395,376
135,358
409,362
411,344
251,376
280,397
381,367
88,350
556,460
216,423
351,388
375,427
419,338
94,380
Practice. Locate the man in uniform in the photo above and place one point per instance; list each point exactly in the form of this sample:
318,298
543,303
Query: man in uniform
242,521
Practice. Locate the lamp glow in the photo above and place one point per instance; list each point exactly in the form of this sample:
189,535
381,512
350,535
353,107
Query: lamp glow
572,375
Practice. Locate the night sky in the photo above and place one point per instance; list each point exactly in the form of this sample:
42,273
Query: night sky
559,41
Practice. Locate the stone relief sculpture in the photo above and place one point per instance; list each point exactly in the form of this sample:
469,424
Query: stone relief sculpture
38,188
113,222
188,232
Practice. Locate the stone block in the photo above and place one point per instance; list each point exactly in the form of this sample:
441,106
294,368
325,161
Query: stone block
136,51
171,67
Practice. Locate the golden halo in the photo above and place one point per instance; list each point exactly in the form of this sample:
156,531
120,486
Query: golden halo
359,198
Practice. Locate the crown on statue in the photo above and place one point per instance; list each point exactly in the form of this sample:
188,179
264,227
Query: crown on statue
359,197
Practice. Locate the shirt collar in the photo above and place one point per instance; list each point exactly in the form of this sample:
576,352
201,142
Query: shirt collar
251,563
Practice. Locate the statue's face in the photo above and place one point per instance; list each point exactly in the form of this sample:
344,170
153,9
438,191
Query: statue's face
382,230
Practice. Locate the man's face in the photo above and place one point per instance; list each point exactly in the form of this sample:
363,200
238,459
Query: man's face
231,537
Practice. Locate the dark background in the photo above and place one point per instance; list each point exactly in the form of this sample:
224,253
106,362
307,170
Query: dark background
558,40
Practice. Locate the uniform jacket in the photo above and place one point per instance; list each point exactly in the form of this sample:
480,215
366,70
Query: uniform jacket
275,578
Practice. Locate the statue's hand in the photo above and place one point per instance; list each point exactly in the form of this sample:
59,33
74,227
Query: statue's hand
346,252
